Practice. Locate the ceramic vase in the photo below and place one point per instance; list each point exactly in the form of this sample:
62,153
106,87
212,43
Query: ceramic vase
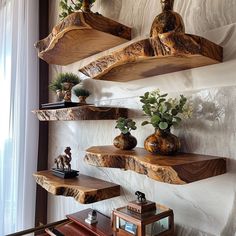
162,142
125,141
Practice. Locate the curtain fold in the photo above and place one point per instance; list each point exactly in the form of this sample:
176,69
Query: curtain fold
18,126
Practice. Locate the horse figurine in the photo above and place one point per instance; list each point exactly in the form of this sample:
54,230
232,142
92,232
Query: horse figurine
64,160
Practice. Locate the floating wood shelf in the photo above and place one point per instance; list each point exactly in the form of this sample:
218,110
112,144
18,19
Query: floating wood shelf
169,52
81,35
84,189
179,169
81,113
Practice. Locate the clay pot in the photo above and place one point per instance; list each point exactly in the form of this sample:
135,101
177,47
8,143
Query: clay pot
125,141
82,99
162,142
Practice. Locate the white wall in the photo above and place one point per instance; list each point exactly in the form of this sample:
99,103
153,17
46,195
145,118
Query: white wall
206,207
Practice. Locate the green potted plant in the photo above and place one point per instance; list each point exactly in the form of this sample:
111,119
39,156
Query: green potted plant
125,140
163,113
68,7
82,94
63,84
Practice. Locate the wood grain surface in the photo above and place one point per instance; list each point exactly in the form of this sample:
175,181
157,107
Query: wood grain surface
102,227
81,35
169,52
84,189
178,169
81,113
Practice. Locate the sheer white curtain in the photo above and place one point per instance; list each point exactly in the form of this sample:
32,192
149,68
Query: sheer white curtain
18,126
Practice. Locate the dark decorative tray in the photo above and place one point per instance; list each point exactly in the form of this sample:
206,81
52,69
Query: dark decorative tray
62,104
65,174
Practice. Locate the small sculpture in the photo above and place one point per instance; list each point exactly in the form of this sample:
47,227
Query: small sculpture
141,205
63,168
167,20
64,160
140,197
92,217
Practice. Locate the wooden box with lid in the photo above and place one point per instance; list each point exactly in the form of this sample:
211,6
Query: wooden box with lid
143,219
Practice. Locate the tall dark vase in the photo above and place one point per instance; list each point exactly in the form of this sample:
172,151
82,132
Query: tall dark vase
162,142
125,141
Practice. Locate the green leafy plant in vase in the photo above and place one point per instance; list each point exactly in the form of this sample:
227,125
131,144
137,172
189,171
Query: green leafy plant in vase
125,140
70,6
63,84
163,113
82,94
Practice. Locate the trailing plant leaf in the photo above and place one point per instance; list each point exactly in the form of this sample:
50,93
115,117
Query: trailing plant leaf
125,125
163,112
163,125
145,123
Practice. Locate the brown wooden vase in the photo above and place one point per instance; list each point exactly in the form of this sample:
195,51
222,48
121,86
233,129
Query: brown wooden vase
162,142
125,141
167,21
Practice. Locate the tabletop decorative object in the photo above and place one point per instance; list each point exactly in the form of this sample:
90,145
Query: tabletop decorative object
92,217
82,94
143,218
63,84
163,113
63,166
125,140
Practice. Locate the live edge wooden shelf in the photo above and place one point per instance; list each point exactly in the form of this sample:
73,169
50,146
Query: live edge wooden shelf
182,168
84,189
81,113
81,35
169,52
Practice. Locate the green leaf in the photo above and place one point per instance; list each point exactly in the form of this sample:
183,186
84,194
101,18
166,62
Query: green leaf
146,94
152,100
78,7
177,119
164,95
167,116
162,100
168,105
163,125
174,112
145,123
155,119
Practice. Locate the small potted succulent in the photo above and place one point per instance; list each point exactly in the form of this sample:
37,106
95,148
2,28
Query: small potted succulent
82,94
163,113
125,140
63,84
